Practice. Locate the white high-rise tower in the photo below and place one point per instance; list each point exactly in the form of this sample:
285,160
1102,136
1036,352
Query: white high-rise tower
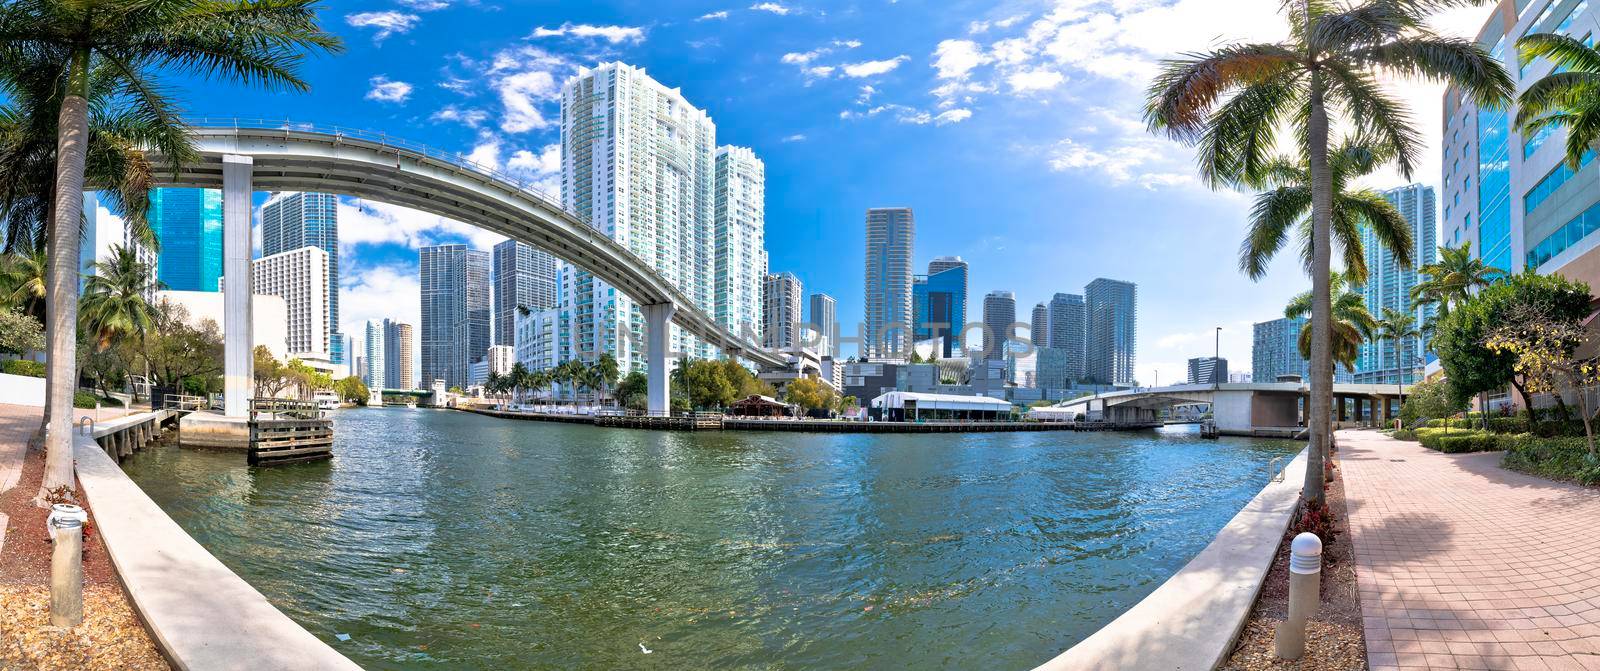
740,240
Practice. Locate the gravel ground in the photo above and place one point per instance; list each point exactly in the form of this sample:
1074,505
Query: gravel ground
111,636
1334,638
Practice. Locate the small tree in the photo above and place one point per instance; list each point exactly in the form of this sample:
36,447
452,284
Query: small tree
1543,345
20,333
810,394
352,389
634,391
1430,400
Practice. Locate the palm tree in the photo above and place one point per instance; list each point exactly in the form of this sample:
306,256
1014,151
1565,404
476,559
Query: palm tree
114,304
1453,279
607,372
517,379
494,384
1284,205
22,280
1397,327
64,43
1234,102
1351,325
1567,98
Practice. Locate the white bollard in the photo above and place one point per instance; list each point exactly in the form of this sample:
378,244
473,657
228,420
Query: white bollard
66,566
1305,595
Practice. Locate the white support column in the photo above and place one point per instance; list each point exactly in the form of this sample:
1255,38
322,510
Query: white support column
658,338
238,348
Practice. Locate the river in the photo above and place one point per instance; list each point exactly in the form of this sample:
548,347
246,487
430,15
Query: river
438,539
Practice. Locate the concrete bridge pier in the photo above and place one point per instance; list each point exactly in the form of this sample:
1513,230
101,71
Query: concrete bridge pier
238,350
658,337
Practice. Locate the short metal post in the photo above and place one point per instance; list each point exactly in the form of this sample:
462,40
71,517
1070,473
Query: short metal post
66,566
1305,595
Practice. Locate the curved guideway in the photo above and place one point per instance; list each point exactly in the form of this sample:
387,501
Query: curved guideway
447,540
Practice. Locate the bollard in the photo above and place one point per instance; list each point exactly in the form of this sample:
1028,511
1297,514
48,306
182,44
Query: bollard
66,566
1305,595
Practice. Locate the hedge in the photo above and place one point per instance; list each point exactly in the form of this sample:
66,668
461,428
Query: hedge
1555,458
22,367
1458,440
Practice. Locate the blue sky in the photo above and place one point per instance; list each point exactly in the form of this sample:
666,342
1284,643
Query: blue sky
1012,128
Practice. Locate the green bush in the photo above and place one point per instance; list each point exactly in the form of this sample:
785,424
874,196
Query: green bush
83,399
1457,440
1565,458
22,367
1405,434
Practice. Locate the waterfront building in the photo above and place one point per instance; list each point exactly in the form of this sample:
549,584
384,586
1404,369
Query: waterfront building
1039,326
999,314
1275,353
1239,377
371,363
638,166
939,303
500,358
188,225
824,323
780,315
524,277
739,219
455,311
867,380
1208,370
538,340
359,365
890,238
398,347
295,219
1067,332
1389,285
1052,368
1111,314
300,278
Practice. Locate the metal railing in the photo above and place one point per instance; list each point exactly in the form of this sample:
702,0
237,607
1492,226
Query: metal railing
183,402
689,309
282,408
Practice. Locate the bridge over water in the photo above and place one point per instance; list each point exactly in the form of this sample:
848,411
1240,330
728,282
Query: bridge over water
240,156
1248,408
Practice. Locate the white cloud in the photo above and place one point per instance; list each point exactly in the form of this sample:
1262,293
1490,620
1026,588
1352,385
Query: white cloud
953,116
378,292
366,222
386,23
612,34
521,94
471,118
977,27
542,171
775,8
386,90
819,71
848,44
425,5
714,16
486,153
1034,80
797,137
804,57
954,59
874,68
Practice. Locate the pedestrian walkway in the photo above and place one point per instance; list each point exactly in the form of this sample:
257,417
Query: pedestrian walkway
17,425
1465,565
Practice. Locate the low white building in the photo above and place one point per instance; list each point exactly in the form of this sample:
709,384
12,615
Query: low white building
269,323
905,406
538,344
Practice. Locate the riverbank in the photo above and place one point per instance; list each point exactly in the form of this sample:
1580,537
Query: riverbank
111,636
722,423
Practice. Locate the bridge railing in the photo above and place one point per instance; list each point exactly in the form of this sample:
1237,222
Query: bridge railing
457,159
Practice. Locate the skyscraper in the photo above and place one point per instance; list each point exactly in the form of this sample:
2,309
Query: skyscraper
188,224
824,321
376,355
1111,316
524,276
1039,326
1388,287
740,240
300,277
890,238
397,356
455,312
1067,333
294,219
637,165
1208,370
781,311
999,314
939,303
1275,351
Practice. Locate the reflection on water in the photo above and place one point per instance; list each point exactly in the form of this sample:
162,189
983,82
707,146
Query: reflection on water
439,539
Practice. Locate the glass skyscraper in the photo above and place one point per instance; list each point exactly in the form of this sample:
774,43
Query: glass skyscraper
1389,285
524,276
891,233
1067,333
1111,328
455,312
188,224
1275,351
939,303
292,220
999,316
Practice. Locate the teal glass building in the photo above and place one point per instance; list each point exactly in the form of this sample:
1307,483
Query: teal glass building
188,224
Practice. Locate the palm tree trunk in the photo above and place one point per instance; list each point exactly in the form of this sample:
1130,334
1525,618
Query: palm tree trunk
1321,306
62,287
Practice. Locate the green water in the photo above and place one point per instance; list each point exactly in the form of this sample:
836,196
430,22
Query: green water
437,539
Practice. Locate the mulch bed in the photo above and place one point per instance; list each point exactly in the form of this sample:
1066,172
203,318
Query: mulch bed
111,636
1334,637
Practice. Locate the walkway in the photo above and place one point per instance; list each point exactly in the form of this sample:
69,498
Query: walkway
17,425
1462,564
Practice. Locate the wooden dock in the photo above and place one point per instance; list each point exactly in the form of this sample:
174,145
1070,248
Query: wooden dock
288,432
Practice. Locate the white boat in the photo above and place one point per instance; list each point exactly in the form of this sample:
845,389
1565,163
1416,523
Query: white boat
326,400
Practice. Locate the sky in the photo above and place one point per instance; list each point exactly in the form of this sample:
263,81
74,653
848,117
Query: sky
1013,128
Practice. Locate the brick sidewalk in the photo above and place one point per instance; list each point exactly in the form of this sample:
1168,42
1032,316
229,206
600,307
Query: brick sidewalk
1465,565
17,424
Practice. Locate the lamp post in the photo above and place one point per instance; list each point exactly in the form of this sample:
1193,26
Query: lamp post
1216,359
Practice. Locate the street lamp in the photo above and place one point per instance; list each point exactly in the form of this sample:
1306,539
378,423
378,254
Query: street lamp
1216,359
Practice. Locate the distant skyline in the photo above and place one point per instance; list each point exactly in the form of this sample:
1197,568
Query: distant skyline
1012,129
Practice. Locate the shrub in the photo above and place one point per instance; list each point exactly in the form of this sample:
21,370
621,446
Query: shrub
1405,434
22,367
1457,440
1555,458
1317,519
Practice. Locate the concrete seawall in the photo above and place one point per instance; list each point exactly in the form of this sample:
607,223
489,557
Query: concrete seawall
201,614
1191,621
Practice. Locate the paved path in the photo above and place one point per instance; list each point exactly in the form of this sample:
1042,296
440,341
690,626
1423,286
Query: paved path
17,425
1464,565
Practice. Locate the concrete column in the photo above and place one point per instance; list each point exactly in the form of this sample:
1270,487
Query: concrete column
658,339
238,349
